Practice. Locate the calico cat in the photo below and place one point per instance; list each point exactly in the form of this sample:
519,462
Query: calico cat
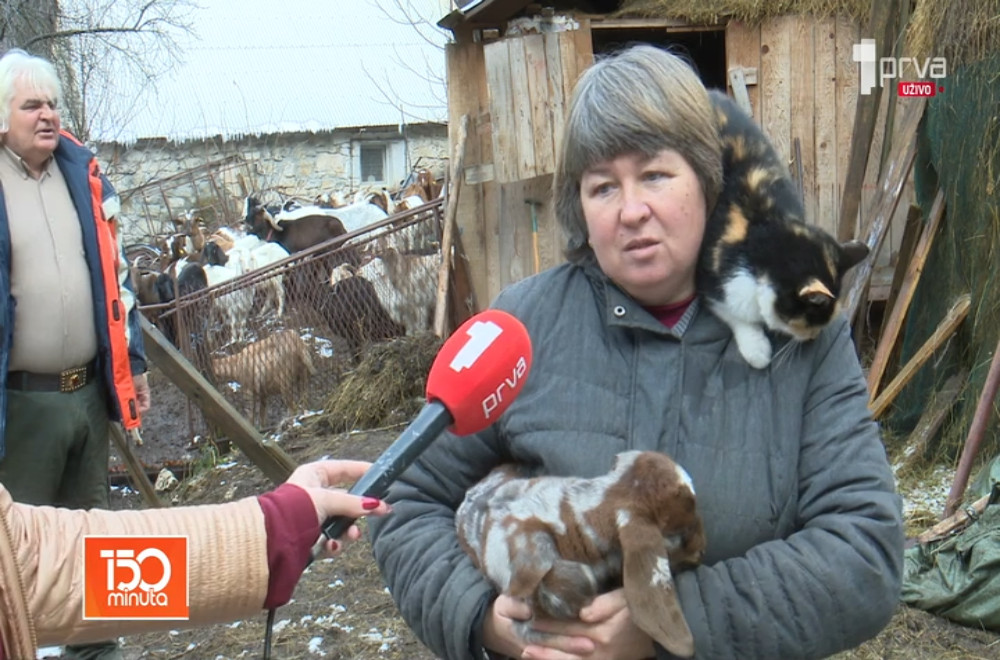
760,265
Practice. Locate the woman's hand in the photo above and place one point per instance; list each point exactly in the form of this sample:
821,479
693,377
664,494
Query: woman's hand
317,479
500,634
607,625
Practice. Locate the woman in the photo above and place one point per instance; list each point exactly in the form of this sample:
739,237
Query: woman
804,534
243,556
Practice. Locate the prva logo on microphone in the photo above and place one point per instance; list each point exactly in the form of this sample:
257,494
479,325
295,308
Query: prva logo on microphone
481,335
494,399
480,370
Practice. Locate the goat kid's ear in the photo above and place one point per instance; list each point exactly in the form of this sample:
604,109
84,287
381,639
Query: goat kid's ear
650,590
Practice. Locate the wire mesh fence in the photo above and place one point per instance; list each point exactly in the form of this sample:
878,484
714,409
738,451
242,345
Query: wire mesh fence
277,340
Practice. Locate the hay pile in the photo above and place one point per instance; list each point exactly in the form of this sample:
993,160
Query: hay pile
386,387
748,11
962,31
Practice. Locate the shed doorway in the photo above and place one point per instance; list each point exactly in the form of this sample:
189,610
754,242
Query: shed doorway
703,47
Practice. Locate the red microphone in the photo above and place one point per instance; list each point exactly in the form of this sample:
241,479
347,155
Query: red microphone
476,375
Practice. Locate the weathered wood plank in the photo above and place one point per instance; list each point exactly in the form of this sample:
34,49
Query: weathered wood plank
942,333
503,120
558,100
524,137
270,458
468,95
897,316
135,468
538,93
743,50
884,205
775,72
845,103
866,112
441,307
935,412
802,90
825,111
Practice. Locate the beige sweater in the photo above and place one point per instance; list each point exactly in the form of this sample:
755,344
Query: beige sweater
41,590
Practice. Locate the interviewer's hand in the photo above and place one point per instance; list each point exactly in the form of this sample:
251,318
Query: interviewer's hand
317,479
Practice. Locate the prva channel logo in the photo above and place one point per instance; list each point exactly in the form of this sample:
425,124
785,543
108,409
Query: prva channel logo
927,75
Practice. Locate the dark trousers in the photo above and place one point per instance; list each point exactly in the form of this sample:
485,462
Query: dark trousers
57,447
57,453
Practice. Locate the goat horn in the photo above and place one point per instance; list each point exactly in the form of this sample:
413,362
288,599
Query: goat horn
271,221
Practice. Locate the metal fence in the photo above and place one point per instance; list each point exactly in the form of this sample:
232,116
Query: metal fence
276,341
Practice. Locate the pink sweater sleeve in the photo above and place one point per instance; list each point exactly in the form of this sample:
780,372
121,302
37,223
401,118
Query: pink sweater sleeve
292,530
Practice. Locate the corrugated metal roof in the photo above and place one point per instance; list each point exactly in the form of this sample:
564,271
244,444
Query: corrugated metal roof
266,66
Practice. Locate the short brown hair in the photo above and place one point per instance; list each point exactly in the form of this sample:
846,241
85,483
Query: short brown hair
640,100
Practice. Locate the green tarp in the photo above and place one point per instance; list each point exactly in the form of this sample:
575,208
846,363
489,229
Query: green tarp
959,577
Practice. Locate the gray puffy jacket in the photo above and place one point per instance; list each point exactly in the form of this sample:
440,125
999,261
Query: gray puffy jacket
803,525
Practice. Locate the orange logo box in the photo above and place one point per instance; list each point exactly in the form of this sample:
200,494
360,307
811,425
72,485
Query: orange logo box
135,577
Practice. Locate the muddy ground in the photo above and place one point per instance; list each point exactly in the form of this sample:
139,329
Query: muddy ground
341,609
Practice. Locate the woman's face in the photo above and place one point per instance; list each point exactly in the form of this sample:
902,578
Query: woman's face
646,217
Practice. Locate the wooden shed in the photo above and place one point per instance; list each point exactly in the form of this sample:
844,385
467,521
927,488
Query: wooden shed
512,66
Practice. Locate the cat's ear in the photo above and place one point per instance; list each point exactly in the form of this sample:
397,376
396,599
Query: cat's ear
851,254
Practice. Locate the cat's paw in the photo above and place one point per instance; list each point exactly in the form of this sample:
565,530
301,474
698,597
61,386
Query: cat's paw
754,346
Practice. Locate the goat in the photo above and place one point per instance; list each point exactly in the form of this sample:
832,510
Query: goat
352,310
279,364
406,285
556,542
294,231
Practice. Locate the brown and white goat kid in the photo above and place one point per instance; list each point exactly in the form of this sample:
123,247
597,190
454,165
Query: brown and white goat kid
557,542
279,364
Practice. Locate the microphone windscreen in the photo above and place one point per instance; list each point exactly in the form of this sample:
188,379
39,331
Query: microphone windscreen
480,369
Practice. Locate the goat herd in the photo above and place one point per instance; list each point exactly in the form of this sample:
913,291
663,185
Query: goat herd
242,301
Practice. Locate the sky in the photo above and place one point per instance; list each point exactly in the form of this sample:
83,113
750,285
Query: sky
264,66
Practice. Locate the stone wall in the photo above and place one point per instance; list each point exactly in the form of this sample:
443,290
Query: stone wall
160,180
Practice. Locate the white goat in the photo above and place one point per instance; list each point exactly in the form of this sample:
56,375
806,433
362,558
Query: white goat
406,285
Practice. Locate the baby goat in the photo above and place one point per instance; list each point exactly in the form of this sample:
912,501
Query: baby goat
557,542
279,364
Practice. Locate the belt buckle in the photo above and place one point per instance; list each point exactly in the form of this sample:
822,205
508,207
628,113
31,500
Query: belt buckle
72,379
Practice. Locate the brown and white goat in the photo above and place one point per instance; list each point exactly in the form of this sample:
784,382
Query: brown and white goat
279,364
557,542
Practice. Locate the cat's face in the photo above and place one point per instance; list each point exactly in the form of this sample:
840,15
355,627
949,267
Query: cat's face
807,291
645,219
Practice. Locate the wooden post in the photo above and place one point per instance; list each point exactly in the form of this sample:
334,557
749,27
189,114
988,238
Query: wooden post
984,410
270,458
448,232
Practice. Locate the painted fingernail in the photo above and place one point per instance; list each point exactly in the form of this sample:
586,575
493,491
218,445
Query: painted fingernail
335,546
369,503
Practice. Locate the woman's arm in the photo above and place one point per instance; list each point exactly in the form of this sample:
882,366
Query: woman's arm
835,582
439,592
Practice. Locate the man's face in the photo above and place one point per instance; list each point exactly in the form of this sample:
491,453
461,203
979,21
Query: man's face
33,132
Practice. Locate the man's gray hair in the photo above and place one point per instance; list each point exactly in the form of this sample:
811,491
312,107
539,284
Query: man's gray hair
36,72
638,101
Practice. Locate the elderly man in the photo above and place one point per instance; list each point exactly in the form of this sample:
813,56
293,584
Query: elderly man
70,347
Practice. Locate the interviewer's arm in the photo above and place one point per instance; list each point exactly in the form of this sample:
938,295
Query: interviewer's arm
243,555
